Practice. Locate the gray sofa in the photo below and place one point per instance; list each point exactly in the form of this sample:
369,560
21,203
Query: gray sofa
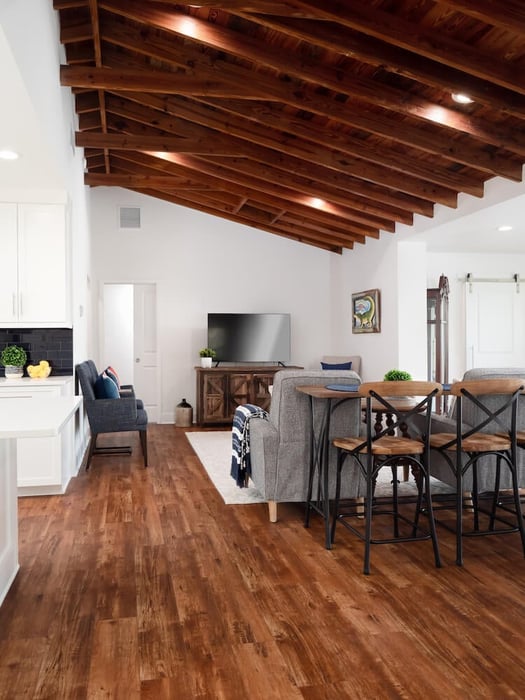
442,424
280,447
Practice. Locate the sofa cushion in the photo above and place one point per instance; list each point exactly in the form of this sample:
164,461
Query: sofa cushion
340,365
105,387
340,359
112,374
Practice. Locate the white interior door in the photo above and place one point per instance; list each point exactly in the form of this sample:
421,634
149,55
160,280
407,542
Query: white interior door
129,339
145,346
495,312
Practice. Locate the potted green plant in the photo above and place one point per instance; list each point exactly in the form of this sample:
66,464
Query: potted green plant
207,355
13,357
397,375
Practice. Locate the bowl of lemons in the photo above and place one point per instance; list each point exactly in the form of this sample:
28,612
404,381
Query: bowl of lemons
40,371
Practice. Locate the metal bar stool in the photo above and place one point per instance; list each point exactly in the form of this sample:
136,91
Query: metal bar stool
389,447
483,448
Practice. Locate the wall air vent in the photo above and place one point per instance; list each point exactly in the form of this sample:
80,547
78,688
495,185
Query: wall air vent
129,217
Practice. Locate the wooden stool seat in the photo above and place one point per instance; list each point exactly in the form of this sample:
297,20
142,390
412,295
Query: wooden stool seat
386,445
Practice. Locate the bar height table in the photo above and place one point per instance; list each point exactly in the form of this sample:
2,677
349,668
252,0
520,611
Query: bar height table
320,445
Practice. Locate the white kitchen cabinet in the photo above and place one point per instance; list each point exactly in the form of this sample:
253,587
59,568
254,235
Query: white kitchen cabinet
34,270
44,464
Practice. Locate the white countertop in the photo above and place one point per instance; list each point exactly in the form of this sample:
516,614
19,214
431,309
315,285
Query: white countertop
35,417
58,380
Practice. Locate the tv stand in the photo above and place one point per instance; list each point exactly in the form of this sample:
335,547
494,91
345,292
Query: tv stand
221,389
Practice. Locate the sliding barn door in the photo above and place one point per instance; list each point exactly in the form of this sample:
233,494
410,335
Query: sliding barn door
495,316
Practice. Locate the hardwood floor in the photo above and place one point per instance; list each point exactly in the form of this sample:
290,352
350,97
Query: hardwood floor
141,583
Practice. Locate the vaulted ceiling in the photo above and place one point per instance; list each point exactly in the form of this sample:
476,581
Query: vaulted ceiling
325,122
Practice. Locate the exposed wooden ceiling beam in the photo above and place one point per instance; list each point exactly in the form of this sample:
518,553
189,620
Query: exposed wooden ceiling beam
360,88
435,140
386,56
93,12
198,114
284,144
509,15
157,82
160,143
327,123
152,81
263,6
251,187
423,42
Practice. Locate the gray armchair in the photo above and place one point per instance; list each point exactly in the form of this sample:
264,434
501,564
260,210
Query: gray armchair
111,415
280,447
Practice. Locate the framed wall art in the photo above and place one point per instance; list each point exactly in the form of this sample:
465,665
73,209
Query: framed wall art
366,312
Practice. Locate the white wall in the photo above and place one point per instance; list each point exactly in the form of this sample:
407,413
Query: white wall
204,264
31,31
370,266
412,308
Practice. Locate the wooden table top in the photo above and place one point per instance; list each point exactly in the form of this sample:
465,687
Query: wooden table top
321,392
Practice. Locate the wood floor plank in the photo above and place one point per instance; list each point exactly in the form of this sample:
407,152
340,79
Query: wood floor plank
20,666
141,583
114,671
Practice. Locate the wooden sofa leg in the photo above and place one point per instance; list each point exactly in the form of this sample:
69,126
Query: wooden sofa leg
272,511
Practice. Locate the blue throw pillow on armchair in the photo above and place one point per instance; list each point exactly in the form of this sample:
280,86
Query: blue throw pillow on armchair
340,365
105,388
113,375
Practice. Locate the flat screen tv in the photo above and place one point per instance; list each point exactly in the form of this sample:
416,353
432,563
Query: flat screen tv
250,337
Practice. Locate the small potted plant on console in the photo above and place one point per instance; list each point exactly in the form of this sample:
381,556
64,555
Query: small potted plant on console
207,355
397,375
13,357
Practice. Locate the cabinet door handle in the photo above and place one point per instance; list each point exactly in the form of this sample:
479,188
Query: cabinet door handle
14,304
21,306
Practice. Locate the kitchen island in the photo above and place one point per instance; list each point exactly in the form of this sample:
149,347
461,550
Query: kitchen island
56,452
23,418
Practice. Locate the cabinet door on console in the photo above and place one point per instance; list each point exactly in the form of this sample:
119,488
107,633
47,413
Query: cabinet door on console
214,397
239,391
261,392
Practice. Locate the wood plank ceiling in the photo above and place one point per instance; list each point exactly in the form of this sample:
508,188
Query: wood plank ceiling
325,122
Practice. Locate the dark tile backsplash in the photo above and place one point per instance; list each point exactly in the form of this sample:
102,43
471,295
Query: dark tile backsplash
52,344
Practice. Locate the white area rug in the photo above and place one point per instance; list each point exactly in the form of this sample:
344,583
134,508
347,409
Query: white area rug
214,449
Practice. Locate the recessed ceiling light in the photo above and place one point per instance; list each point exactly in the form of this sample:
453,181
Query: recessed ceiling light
7,154
461,99
317,203
504,228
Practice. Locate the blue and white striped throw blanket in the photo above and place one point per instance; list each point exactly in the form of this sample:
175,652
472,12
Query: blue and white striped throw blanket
241,465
